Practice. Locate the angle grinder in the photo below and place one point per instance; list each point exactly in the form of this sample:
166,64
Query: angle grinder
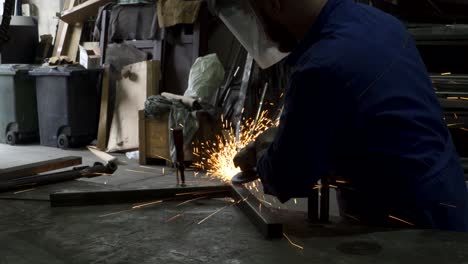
244,177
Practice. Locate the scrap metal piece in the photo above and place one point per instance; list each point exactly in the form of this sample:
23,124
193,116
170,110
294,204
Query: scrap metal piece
38,180
136,196
38,167
265,221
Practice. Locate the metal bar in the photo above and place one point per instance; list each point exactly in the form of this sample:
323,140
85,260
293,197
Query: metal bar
313,205
104,35
38,167
261,216
260,106
238,110
178,136
325,200
89,172
135,196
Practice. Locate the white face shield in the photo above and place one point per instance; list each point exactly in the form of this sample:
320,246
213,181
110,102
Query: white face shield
241,19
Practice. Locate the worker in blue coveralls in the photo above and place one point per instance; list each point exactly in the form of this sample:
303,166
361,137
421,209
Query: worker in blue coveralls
360,104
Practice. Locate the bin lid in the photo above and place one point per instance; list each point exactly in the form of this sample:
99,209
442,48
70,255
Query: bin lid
13,69
65,70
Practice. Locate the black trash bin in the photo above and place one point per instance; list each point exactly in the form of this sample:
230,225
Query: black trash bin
67,101
18,108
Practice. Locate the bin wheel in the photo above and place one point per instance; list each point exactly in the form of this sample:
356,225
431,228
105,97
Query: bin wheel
63,141
11,138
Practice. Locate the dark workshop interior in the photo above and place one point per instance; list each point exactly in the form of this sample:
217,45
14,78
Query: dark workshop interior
120,121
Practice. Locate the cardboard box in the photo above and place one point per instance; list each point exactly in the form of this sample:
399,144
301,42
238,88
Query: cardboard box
90,58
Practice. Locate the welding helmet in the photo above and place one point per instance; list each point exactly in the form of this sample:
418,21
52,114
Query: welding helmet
240,18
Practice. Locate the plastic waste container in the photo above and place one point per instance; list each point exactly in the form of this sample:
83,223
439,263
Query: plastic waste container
67,102
18,108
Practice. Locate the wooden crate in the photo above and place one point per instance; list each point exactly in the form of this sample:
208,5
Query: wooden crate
154,136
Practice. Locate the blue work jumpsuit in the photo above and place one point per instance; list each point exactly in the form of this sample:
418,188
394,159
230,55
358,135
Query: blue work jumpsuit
361,105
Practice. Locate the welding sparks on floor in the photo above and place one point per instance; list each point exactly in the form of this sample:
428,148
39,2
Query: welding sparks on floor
292,243
217,157
400,220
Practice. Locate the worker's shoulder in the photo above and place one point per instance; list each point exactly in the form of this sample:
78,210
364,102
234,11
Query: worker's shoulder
359,43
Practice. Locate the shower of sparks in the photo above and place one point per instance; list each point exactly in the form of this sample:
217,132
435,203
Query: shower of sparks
23,191
455,124
211,215
292,243
401,220
216,157
448,205
146,204
192,200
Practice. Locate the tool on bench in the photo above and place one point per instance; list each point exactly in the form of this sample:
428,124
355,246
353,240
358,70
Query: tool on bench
178,135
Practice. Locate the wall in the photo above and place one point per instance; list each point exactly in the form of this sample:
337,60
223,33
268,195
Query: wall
46,12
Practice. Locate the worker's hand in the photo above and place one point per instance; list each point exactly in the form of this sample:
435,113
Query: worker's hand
246,159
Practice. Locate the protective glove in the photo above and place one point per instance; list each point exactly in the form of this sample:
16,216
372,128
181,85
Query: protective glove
247,158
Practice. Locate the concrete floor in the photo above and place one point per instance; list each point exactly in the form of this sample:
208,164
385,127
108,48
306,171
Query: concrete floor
33,232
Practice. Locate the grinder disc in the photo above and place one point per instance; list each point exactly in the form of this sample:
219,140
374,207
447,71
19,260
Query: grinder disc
245,177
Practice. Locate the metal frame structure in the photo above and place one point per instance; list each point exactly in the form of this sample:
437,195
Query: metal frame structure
262,217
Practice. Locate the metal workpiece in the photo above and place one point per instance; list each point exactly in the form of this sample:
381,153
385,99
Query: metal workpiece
261,216
135,196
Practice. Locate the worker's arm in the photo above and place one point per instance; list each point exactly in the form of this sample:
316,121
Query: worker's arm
304,148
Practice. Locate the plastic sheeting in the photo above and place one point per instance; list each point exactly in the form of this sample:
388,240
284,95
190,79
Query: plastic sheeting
206,76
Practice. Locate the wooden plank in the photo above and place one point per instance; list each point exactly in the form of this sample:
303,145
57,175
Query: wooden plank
72,43
103,120
62,32
157,137
82,12
138,82
136,196
38,167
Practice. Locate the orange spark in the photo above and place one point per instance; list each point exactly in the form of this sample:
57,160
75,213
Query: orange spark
211,215
292,243
401,220
146,204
